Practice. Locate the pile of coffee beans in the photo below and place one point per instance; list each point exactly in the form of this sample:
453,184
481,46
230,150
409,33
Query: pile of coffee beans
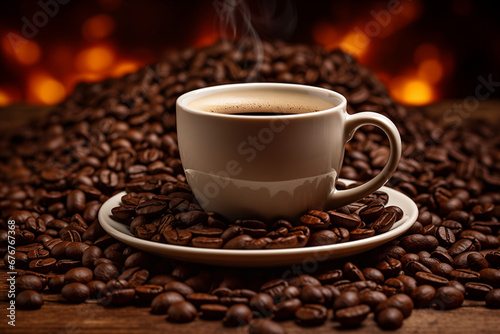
169,216
119,134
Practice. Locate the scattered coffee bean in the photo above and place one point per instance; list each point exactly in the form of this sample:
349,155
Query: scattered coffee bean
29,300
311,315
237,315
75,292
493,298
161,303
390,318
447,297
352,316
181,312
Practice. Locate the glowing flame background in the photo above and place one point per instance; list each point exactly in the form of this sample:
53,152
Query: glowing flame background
421,51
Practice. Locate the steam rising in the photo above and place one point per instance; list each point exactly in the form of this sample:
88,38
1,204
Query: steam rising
236,21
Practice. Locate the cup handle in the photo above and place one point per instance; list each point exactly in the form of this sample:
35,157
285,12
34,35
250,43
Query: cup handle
340,198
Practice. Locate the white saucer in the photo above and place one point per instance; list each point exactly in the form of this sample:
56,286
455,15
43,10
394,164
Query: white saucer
306,256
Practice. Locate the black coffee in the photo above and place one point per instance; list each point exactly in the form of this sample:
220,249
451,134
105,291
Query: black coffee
261,102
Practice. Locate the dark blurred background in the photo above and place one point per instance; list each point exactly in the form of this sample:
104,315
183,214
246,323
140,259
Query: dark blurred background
424,51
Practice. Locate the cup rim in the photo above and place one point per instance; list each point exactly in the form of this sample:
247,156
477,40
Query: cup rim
184,99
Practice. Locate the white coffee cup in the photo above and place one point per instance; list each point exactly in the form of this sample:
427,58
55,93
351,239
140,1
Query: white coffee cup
272,166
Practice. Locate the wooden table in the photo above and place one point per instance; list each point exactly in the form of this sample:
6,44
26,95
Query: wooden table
59,317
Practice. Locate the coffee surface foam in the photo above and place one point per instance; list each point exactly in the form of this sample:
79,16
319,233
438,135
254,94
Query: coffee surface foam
261,101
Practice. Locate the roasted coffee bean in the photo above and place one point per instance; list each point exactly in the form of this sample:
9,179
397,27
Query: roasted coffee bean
476,290
43,265
464,275
75,292
312,295
438,268
410,257
346,299
179,287
316,220
177,236
303,280
461,246
237,315
389,267
181,312
80,275
431,279
445,236
199,298
213,311
75,201
372,298
392,286
287,308
352,272
29,300
493,259
385,222
400,301
118,297
89,256
447,297
493,298
161,303
413,243
390,318
56,283
161,279
442,256
29,282
75,250
352,316
362,233
460,261
96,288
413,267
342,233
347,221
409,283
423,295
205,242
490,276
265,326
148,292
371,212
323,237
311,315
373,274
105,272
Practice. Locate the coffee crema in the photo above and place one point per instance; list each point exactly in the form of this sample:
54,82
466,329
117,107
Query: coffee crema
260,102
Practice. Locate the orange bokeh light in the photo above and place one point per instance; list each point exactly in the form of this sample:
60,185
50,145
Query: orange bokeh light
95,59
430,70
24,51
355,43
98,27
411,90
44,89
124,67
5,99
